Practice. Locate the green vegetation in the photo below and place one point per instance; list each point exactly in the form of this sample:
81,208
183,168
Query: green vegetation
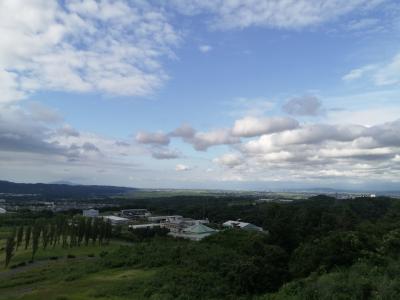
320,248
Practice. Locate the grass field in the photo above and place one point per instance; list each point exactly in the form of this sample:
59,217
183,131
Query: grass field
68,278
23,255
74,279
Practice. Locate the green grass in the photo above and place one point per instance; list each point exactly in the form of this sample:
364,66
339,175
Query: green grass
23,255
70,278
75,280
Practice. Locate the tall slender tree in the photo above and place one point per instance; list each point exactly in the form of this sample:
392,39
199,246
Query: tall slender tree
108,232
81,230
28,233
95,230
20,234
35,238
10,247
45,235
88,230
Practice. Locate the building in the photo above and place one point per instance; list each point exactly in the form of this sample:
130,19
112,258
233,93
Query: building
136,213
2,211
141,226
179,223
158,219
195,232
116,220
241,225
90,213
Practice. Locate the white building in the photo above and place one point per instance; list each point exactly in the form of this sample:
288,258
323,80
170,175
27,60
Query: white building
2,211
116,220
179,223
135,213
90,213
241,225
141,226
195,232
155,219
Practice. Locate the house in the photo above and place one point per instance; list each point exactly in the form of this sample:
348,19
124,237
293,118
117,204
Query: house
2,211
241,225
195,232
90,213
116,220
136,213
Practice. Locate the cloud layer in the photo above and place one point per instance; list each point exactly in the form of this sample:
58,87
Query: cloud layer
113,47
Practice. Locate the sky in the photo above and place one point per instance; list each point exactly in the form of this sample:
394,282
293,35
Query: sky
218,94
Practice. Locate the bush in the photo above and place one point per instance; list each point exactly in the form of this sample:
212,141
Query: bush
71,256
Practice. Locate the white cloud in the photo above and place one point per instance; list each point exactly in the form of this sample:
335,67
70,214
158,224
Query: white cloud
184,131
114,47
153,138
358,73
303,106
229,159
389,74
252,126
205,48
164,153
381,74
181,168
250,106
367,117
203,140
290,14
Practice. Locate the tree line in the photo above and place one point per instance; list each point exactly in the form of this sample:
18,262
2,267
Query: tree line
60,231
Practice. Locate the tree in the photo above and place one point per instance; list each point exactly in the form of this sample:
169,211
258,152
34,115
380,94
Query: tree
102,230
52,233
20,234
45,235
81,230
28,233
108,230
95,230
88,230
35,238
10,246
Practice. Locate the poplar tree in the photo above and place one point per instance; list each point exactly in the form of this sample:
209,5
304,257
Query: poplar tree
10,247
45,236
35,238
20,234
88,230
95,230
28,233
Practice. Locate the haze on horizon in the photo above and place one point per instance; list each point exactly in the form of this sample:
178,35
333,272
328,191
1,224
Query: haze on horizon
255,94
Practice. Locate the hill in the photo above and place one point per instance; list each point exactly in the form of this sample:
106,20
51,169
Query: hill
61,190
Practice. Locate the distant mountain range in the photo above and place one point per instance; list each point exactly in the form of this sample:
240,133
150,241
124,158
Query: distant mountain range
61,190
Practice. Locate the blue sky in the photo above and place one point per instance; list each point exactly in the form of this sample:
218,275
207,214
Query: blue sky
260,94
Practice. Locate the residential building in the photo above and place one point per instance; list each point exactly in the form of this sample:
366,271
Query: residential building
2,211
